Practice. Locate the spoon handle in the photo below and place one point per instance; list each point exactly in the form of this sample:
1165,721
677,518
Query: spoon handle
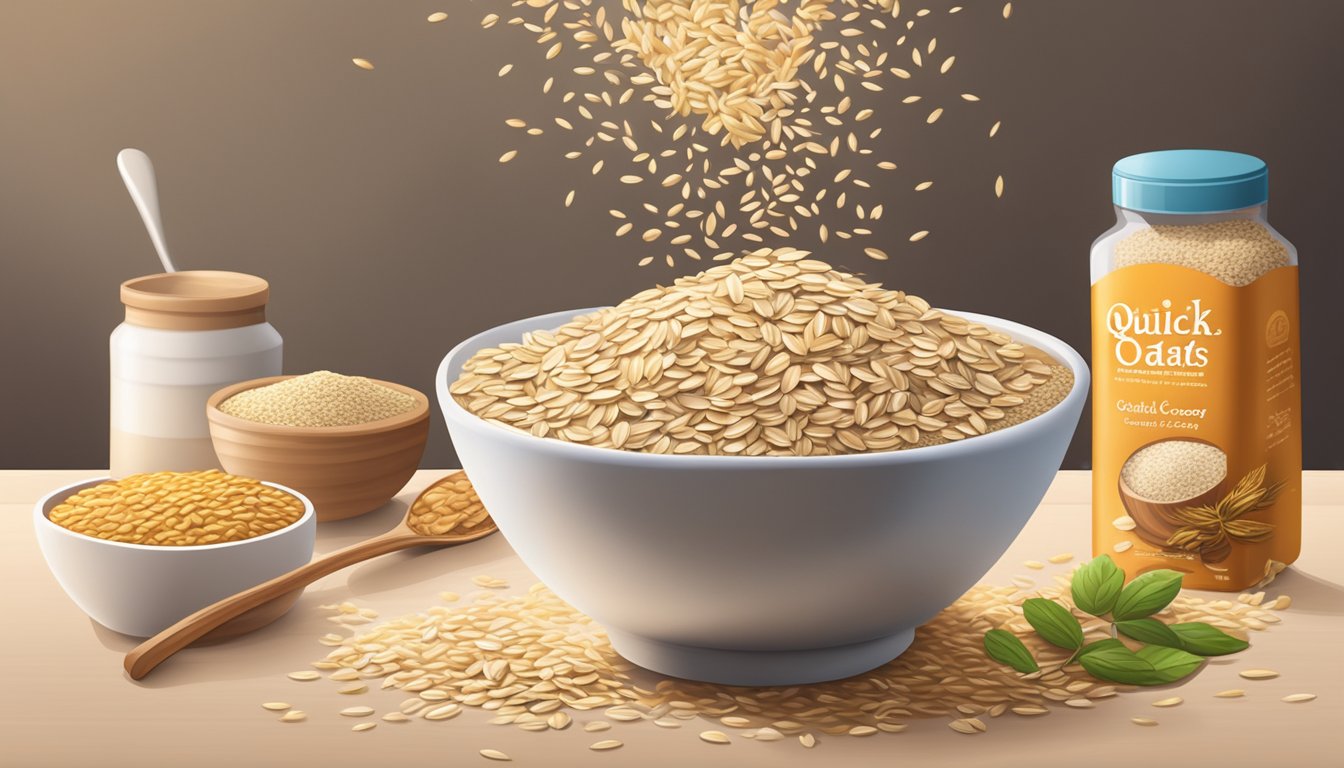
138,173
154,651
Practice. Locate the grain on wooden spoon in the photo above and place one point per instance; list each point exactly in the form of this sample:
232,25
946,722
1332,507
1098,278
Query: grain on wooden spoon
444,514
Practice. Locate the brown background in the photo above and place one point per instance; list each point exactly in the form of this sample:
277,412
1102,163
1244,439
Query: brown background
374,204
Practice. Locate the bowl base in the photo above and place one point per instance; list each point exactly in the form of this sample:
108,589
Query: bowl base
735,667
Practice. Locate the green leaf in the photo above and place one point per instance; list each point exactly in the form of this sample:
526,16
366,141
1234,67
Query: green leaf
1147,594
1098,645
1053,622
1198,637
1097,584
1169,664
1005,647
1118,664
1150,631
1151,665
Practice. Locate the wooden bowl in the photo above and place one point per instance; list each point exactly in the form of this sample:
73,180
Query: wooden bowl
1155,521
344,471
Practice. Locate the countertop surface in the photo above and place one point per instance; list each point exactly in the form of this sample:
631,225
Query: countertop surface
70,704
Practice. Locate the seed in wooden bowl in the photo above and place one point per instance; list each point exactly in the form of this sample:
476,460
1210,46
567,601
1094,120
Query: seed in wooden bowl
319,399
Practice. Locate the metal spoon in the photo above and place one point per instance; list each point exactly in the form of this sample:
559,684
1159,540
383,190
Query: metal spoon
138,174
444,514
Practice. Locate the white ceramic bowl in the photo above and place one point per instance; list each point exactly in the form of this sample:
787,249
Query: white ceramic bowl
760,570
140,589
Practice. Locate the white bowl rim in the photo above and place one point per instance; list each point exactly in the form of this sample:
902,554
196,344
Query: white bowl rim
981,443
40,513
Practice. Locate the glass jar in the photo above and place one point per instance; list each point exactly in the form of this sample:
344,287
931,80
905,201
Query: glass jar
185,336
1197,457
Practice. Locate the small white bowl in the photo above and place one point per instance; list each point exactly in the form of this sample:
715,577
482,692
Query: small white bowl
760,570
141,589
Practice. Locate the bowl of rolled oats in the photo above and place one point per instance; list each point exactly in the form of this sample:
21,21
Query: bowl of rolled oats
767,473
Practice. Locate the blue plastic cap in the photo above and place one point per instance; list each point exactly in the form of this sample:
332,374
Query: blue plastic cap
1189,181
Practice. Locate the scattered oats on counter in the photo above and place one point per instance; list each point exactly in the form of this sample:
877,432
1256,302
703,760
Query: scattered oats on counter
535,662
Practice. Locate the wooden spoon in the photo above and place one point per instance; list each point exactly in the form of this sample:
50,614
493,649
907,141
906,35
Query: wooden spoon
446,513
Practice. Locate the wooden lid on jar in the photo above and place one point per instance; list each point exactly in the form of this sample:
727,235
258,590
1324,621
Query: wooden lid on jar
197,300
